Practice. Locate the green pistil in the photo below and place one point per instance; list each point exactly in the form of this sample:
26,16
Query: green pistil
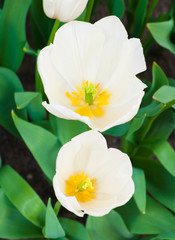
85,185
90,91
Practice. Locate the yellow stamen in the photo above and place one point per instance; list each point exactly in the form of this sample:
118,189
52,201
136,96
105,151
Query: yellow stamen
84,111
80,186
89,100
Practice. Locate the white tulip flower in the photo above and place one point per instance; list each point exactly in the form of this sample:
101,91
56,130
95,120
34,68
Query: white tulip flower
89,73
91,178
64,10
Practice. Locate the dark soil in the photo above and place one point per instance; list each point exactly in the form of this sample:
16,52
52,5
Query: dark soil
15,153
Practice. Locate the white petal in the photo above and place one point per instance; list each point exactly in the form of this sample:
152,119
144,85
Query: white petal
76,53
90,141
120,56
125,103
116,36
69,203
126,193
49,8
71,9
73,157
105,202
54,85
64,112
113,28
111,161
99,207
136,60
65,159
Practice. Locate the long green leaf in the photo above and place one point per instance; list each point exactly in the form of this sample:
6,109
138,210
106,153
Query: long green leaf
164,236
9,84
116,8
165,94
136,123
161,33
66,129
140,15
41,25
33,102
43,144
156,220
74,230
23,197
12,224
160,183
111,227
165,153
12,32
159,79
140,189
52,227
162,127
118,130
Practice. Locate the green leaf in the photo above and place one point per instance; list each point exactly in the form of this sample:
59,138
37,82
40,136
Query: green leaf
136,124
9,84
33,102
43,144
161,32
171,82
13,225
160,183
12,32
156,220
162,127
165,94
140,189
147,237
52,228
151,8
66,129
22,196
139,19
41,25
111,227
118,130
165,153
159,79
151,109
164,236
74,230
57,207
116,8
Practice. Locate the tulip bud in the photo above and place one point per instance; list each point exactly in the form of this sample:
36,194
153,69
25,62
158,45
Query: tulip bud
64,10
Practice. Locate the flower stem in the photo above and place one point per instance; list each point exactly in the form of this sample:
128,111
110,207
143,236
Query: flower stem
54,29
89,10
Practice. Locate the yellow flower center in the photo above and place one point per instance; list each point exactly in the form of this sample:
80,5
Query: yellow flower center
80,186
89,100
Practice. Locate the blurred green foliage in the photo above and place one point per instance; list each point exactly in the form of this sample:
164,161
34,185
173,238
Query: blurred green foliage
145,138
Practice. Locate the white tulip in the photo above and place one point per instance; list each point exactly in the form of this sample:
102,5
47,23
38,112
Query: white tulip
64,10
91,178
89,73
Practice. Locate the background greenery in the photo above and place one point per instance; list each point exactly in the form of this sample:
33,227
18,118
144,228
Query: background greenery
146,139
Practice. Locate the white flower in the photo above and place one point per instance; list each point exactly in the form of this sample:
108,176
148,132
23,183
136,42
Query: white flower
91,178
89,72
64,10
